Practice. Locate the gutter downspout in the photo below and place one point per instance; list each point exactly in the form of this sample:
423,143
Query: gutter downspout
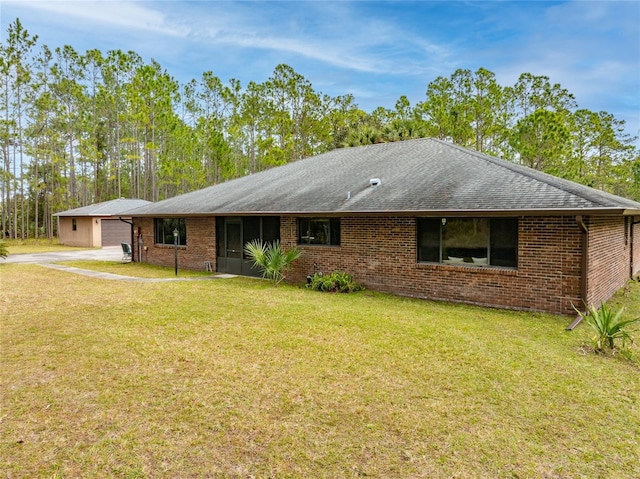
130,223
583,267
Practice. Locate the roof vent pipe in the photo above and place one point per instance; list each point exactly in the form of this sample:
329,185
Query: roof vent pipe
374,181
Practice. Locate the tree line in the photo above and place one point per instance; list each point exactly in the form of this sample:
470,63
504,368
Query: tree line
82,128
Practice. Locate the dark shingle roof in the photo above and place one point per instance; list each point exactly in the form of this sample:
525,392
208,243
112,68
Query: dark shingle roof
107,208
424,175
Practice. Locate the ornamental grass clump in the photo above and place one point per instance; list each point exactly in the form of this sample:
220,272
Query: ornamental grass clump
271,258
609,327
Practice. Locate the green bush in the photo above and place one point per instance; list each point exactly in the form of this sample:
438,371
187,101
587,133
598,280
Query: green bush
338,281
608,326
4,252
271,258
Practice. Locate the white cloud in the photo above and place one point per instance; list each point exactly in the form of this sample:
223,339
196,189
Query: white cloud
374,50
126,15
335,34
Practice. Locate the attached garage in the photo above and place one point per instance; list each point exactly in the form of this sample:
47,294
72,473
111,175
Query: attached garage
102,224
115,232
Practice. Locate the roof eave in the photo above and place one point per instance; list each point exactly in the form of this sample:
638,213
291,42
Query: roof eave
90,215
462,212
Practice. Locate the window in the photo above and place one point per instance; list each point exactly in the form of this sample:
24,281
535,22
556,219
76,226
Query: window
164,228
74,224
478,241
319,231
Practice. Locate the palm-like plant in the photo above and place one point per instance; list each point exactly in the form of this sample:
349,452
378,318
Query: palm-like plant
4,252
271,258
609,326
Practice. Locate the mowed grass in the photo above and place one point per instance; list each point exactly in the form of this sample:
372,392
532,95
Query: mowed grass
233,378
136,270
38,246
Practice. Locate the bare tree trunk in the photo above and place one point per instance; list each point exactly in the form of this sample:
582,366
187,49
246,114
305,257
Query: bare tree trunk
72,168
21,167
5,191
14,228
36,199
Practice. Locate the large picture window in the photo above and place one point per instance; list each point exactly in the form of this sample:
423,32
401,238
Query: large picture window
164,228
473,241
319,231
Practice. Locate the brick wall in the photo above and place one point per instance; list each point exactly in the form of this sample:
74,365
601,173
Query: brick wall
609,255
201,244
381,254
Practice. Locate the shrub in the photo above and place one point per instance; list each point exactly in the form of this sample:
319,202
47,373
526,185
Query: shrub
608,326
337,281
4,252
271,258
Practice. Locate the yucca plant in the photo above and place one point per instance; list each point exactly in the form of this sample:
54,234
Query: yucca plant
609,326
271,258
4,252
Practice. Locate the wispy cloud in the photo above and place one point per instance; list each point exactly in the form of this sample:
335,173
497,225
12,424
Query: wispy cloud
341,35
375,50
127,15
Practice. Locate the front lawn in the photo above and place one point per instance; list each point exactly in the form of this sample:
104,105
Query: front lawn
38,246
235,378
136,270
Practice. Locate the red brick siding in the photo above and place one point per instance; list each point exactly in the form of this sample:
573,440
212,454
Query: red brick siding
609,257
381,254
201,244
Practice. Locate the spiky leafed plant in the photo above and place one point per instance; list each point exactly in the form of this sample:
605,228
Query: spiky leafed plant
609,326
271,258
4,252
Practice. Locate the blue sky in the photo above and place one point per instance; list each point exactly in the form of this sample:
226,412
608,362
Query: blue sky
376,51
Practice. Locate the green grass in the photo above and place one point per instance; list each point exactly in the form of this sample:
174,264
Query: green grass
237,379
138,270
629,299
31,246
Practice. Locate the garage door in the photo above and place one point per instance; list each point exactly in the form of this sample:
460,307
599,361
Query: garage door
115,232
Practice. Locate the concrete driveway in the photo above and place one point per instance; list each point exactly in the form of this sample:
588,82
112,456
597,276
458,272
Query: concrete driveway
109,253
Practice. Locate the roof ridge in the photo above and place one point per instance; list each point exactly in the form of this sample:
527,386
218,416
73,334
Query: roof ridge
423,174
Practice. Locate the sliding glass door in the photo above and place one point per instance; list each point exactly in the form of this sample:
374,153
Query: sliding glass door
234,232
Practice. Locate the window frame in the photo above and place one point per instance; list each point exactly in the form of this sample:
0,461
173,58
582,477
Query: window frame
333,235
167,226
425,246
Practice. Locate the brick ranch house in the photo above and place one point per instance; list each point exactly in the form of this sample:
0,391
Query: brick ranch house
420,218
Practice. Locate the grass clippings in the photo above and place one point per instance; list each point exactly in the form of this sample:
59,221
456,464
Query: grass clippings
238,379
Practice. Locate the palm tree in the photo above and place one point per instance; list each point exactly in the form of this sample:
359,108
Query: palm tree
271,258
